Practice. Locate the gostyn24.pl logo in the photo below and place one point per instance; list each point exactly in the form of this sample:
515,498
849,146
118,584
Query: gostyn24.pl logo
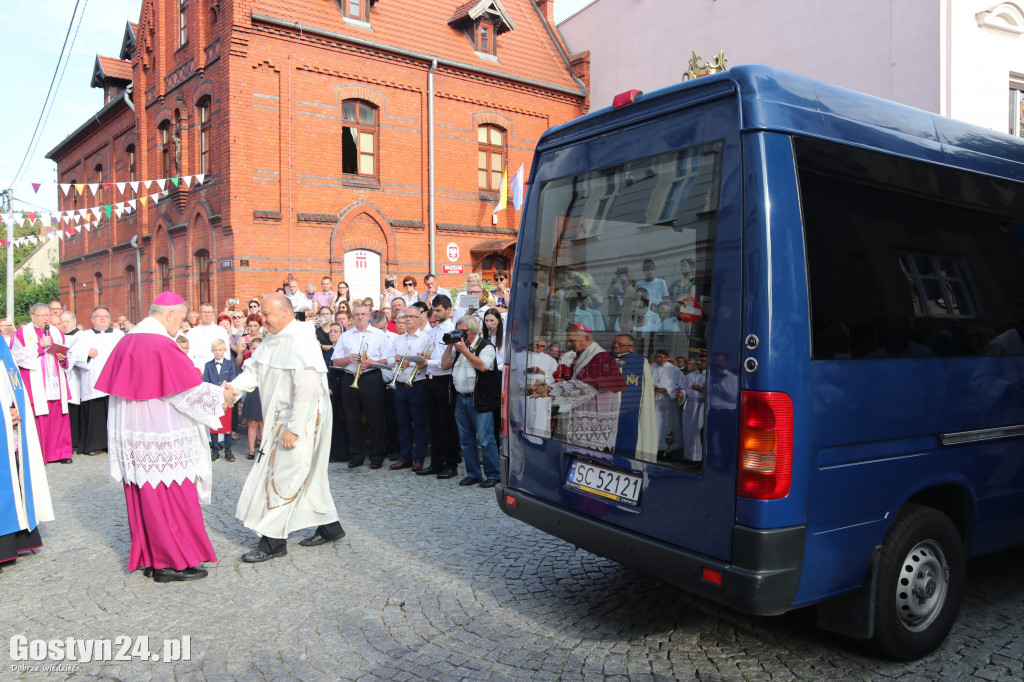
121,648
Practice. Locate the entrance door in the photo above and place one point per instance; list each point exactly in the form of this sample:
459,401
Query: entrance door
362,272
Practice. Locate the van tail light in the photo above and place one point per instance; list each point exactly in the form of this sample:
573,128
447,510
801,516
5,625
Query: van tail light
765,469
504,402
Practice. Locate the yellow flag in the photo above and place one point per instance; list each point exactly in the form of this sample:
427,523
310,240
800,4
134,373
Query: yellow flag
502,194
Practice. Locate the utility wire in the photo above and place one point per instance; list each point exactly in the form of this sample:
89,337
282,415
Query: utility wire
43,114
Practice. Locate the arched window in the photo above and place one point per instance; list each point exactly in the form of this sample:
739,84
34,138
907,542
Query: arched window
490,157
129,154
73,285
490,265
164,268
97,287
98,179
358,138
164,144
203,113
131,285
203,275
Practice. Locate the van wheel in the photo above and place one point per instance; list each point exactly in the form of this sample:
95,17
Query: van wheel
920,583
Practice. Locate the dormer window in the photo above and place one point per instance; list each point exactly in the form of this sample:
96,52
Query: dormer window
356,11
485,37
482,21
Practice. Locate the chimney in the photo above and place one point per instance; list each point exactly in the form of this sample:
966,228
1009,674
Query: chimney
547,8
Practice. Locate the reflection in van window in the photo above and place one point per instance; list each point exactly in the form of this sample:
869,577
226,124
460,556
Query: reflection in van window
906,259
623,269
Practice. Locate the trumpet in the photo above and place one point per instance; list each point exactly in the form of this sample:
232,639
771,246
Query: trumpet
398,366
416,370
359,370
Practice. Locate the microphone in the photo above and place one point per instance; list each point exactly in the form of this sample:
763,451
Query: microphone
46,330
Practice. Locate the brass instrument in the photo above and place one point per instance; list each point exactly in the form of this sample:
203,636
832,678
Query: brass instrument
359,370
398,366
426,356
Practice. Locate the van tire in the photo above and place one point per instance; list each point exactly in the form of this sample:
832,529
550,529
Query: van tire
920,583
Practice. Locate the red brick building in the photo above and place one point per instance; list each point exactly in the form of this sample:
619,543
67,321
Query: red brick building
314,122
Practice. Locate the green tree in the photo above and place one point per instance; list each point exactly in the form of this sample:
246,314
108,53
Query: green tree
26,289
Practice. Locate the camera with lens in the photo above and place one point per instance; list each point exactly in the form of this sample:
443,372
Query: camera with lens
454,336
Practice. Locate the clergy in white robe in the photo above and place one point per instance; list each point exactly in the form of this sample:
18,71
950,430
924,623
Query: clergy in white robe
158,446
90,352
24,493
201,337
287,488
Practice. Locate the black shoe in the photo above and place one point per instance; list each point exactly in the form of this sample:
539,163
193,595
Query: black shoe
354,464
428,471
376,465
318,538
214,455
251,455
229,457
258,555
448,472
489,483
148,572
468,480
168,575
66,460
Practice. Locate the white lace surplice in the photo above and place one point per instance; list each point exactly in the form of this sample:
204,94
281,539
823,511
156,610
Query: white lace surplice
162,440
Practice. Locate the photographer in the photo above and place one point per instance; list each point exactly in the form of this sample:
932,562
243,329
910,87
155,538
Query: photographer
390,293
469,358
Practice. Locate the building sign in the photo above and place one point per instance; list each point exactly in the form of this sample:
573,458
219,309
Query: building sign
225,264
453,251
447,269
362,272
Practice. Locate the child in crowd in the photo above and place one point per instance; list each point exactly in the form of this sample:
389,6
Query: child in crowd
217,371
252,409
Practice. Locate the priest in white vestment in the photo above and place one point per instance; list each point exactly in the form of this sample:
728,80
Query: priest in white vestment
90,352
24,493
201,337
287,488
158,446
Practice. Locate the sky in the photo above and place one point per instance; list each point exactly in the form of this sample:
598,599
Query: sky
33,34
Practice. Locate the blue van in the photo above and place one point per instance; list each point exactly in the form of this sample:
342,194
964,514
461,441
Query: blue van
790,367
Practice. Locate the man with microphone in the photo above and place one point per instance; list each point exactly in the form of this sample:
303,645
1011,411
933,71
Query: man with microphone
41,352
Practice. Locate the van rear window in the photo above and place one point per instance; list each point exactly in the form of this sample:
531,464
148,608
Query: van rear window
622,275
909,260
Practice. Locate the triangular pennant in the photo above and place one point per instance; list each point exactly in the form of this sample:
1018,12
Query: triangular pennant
117,210
106,210
31,217
36,186
200,178
81,188
134,185
120,187
161,183
81,212
93,186
165,193
131,204
65,187
174,181
187,179
142,200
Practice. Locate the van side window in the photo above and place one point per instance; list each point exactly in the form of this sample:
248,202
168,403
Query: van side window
907,259
626,252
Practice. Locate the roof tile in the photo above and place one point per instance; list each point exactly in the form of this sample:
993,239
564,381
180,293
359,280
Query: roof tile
422,26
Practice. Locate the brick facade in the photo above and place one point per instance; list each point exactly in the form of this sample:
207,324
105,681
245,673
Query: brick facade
276,199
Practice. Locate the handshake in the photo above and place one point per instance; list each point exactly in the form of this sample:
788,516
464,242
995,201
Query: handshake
230,395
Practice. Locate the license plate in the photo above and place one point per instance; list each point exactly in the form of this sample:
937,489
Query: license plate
614,485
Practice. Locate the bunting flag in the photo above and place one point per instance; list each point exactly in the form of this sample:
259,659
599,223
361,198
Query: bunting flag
36,186
516,184
502,194
174,181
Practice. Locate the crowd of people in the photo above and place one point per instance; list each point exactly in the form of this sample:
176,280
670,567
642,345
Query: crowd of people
343,380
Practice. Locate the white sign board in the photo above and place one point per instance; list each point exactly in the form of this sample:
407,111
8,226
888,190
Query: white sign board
453,251
362,272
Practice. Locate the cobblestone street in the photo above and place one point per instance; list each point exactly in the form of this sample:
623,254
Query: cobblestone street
434,582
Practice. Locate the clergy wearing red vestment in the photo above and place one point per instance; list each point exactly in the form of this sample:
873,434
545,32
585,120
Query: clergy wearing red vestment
587,393
158,446
44,373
